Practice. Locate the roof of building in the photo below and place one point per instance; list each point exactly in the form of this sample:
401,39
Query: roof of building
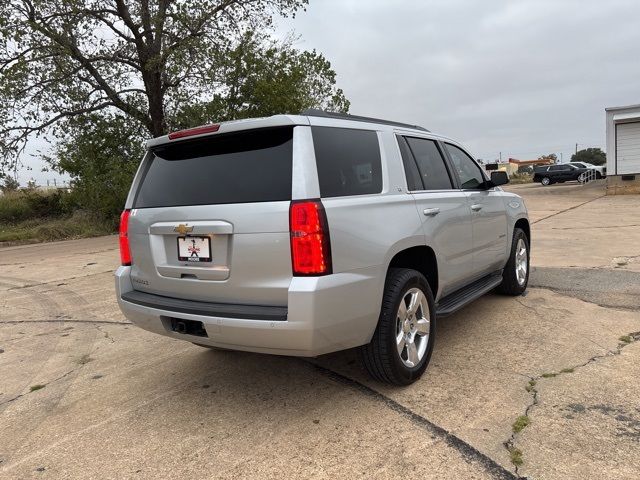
624,107
544,161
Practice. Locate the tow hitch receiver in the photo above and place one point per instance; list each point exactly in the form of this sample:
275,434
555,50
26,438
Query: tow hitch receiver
188,327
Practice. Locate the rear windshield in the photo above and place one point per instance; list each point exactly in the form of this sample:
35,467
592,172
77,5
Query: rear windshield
348,161
245,167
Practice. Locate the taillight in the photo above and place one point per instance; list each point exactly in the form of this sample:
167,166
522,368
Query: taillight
125,252
194,131
310,245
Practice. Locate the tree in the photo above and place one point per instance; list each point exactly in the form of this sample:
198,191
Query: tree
10,184
262,77
101,153
594,156
549,157
101,150
144,59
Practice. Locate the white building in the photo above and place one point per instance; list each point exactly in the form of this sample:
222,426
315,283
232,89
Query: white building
623,149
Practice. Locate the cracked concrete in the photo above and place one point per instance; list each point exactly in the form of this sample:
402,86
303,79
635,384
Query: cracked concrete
149,406
632,425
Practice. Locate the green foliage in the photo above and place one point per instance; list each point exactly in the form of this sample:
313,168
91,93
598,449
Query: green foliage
144,60
594,156
32,204
516,455
78,225
521,423
10,184
13,207
263,78
101,78
550,156
101,153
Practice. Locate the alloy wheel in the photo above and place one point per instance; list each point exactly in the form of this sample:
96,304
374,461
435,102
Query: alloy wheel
412,327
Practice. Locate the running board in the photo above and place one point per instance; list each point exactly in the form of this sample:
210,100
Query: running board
458,299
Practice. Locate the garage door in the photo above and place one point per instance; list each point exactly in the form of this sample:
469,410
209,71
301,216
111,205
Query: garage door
628,148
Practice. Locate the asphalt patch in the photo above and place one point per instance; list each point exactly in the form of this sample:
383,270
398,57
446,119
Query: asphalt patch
604,287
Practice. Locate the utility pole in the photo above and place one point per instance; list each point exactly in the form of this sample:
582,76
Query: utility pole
576,148
500,157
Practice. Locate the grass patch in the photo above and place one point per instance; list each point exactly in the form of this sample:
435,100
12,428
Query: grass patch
530,386
47,229
521,422
549,375
566,370
33,388
516,455
626,339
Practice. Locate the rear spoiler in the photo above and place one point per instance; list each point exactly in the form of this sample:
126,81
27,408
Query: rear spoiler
228,127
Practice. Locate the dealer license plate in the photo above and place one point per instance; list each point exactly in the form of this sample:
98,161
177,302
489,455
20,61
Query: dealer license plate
194,249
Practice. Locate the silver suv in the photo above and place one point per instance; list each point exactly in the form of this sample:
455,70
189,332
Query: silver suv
307,234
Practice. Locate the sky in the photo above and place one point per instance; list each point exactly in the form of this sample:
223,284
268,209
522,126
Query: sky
512,78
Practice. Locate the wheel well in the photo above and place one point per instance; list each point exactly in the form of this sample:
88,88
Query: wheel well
422,259
524,225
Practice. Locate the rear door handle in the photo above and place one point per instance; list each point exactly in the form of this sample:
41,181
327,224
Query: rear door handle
476,207
431,212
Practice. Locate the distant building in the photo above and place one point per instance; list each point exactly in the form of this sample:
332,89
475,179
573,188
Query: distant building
518,166
623,149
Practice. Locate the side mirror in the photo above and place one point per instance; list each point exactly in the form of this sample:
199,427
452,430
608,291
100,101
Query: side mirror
499,178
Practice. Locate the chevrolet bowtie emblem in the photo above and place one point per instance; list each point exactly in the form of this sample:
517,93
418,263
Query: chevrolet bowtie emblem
183,229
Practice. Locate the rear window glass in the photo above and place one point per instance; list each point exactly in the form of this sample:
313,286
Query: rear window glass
251,166
348,161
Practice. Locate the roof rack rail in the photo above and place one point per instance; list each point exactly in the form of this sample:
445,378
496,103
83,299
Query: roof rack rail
313,112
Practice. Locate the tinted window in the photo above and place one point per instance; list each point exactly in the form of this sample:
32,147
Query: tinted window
251,166
348,161
433,171
555,168
468,172
410,167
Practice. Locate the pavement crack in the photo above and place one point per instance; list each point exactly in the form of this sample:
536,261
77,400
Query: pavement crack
568,209
575,294
469,452
37,284
105,333
41,386
519,425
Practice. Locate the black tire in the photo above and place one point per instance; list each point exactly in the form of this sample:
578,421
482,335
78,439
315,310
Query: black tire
380,356
546,181
510,284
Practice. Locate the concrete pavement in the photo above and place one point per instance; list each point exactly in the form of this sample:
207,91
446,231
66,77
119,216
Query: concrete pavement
84,394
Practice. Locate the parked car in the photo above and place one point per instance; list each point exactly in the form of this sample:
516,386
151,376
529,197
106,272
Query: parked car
564,172
601,170
308,234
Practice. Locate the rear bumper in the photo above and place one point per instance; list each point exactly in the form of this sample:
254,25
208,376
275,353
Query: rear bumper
323,315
